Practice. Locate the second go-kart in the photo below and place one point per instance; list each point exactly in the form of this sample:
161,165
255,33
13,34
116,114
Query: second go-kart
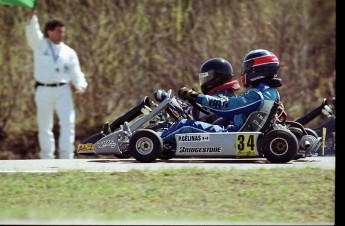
137,134
326,129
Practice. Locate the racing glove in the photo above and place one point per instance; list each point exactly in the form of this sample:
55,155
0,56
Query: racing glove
160,94
327,111
187,94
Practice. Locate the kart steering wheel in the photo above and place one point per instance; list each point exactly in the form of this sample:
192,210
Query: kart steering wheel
173,107
199,107
175,110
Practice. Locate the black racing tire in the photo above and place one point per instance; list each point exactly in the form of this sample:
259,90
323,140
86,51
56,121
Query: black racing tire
297,132
311,132
280,146
145,145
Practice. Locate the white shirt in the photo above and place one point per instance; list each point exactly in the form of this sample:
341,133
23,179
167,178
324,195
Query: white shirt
53,63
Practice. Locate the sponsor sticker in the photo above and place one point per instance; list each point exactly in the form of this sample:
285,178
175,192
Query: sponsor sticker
85,147
183,149
107,143
192,138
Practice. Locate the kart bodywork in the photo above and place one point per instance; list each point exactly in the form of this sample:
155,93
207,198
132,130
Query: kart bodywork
137,134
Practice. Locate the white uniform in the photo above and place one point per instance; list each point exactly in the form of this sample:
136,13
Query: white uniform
54,63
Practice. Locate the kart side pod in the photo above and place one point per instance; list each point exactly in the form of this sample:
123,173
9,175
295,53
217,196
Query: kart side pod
277,146
232,144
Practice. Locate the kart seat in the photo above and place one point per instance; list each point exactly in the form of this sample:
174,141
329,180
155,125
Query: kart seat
107,129
260,121
131,114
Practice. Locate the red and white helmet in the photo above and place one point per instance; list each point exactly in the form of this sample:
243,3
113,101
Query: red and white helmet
258,65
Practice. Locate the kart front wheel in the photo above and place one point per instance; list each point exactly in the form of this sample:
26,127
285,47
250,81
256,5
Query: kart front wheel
145,145
280,146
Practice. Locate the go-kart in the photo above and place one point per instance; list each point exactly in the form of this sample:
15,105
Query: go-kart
137,134
328,127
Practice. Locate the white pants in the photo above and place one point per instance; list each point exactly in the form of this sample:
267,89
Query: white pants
48,100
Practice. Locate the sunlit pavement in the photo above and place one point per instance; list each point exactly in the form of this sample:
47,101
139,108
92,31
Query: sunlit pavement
124,165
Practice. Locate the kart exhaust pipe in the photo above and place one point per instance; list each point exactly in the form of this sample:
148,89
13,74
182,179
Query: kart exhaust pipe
310,144
306,144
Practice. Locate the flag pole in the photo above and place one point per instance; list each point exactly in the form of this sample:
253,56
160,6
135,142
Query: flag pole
323,140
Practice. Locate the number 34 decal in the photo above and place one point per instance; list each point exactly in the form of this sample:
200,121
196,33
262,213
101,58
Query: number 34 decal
245,145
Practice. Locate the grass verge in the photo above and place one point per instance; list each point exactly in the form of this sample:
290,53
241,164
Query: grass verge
304,195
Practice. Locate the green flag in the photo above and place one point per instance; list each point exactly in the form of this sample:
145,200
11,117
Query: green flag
26,3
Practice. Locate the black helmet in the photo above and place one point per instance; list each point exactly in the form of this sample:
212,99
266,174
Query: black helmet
214,72
258,65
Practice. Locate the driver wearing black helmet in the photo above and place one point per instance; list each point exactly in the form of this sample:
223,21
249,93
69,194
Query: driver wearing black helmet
215,79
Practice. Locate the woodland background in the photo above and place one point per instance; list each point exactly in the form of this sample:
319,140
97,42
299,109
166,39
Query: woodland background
127,49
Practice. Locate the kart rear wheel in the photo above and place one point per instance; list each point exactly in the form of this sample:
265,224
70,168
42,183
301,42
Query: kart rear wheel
145,145
299,134
280,146
311,132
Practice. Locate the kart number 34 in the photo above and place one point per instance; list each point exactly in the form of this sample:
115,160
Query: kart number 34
245,145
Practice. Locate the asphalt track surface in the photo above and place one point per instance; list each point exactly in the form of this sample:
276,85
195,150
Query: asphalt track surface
124,165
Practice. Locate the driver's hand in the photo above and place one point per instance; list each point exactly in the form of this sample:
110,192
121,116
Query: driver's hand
187,94
160,94
327,111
